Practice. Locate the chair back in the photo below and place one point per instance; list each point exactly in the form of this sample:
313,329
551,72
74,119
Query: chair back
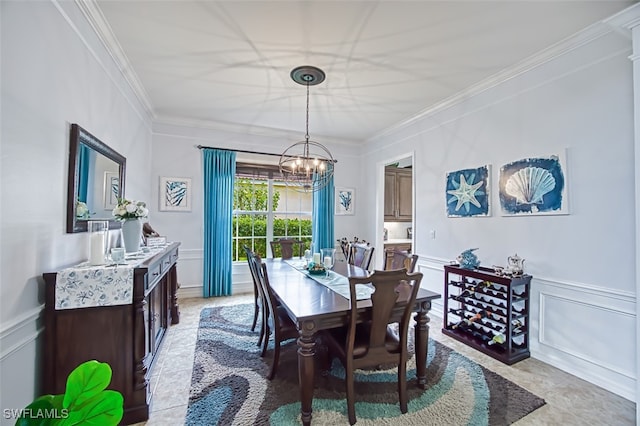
398,259
360,254
285,246
392,289
269,298
255,273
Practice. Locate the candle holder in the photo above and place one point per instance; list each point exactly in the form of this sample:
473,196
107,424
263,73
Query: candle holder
98,230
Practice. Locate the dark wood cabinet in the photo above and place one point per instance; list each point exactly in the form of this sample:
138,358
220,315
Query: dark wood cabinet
127,337
488,312
398,195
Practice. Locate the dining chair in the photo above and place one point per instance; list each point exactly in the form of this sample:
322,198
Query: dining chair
258,298
277,321
360,254
399,259
285,246
373,343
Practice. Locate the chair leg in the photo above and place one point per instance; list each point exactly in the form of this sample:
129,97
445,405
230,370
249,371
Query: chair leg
262,331
256,308
265,341
402,386
351,408
276,358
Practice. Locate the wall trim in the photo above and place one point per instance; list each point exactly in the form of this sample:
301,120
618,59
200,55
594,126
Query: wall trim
435,263
547,55
20,331
101,28
541,332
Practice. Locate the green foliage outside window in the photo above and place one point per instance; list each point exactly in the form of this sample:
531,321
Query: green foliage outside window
250,229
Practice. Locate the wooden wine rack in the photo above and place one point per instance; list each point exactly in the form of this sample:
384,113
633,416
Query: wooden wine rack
488,312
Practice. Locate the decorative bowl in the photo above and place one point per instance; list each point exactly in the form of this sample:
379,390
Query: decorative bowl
318,269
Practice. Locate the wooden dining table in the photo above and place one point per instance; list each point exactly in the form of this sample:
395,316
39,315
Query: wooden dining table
314,307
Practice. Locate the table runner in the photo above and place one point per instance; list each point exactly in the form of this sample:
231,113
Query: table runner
336,282
85,285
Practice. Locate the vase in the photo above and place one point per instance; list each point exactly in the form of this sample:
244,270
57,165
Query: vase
131,235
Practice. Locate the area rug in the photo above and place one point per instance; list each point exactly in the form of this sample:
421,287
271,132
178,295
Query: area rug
228,385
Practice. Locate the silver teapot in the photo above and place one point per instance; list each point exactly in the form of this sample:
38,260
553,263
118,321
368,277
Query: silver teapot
515,264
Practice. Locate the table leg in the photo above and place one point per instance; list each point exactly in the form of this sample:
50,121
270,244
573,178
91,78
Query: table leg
306,369
422,343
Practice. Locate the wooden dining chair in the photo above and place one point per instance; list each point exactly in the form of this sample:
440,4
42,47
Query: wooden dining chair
258,298
285,247
372,343
360,254
277,321
399,259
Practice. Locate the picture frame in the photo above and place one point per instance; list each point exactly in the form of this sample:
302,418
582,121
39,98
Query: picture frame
111,190
345,201
534,186
175,194
467,192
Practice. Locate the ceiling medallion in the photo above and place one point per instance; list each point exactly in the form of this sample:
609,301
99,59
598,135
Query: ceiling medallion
307,166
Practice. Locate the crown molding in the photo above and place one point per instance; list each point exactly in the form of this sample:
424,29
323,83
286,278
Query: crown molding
626,19
589,34
244,129
101,27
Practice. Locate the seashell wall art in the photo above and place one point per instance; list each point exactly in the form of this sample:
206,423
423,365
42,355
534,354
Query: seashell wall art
533,186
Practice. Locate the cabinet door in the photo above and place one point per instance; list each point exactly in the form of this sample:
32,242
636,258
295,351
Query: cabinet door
155,316
390,196
404,188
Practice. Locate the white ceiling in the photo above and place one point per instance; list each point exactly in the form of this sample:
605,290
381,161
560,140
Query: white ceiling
228,62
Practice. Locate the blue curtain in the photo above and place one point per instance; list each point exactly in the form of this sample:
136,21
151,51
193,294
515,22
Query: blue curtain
322,217
219,170
85,168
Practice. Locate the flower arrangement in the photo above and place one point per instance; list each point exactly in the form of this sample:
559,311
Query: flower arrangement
129,209
82,211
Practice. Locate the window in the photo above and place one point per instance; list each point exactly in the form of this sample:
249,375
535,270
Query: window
265,209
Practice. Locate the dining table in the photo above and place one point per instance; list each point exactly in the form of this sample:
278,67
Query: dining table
321,302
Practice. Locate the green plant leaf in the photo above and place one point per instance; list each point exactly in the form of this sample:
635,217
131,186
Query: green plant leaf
85,382
104,409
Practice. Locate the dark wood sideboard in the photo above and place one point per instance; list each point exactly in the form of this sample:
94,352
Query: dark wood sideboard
127,337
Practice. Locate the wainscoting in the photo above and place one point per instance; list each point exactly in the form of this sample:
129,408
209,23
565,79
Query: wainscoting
583,329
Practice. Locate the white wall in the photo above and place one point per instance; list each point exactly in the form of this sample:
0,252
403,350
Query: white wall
54,72
583,290
175,155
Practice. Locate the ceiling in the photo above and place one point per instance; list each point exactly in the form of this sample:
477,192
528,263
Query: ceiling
227,63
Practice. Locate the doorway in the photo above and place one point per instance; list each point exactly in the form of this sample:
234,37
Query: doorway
396,206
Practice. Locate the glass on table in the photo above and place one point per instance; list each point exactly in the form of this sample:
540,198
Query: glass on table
328,258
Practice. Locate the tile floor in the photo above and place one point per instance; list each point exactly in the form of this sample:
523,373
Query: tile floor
570,400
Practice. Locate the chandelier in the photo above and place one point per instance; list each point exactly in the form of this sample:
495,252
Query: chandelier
307,166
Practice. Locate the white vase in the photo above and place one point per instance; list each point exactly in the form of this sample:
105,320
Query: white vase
131,235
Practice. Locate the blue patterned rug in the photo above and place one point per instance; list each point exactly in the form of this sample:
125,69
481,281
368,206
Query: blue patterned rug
228,385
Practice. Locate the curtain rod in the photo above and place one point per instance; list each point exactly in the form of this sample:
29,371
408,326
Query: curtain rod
245,151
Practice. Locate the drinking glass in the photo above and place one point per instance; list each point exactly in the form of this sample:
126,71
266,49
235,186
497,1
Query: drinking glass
328,257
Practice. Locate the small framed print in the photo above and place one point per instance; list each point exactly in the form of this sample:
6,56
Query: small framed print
345,201
175,194
111,190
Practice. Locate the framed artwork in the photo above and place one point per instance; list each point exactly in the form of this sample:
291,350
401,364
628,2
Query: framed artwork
467,192
175,194
345,201
111,190
534,186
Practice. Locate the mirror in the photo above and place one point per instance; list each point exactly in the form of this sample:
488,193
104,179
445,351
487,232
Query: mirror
96,180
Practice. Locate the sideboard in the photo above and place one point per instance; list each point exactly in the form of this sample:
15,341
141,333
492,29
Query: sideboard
124,330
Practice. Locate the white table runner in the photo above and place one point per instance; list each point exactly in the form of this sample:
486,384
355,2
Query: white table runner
334,281
85,286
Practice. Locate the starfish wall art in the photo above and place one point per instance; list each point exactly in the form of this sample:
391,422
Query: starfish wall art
467,192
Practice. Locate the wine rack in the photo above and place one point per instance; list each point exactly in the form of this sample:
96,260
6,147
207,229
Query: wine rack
487,311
